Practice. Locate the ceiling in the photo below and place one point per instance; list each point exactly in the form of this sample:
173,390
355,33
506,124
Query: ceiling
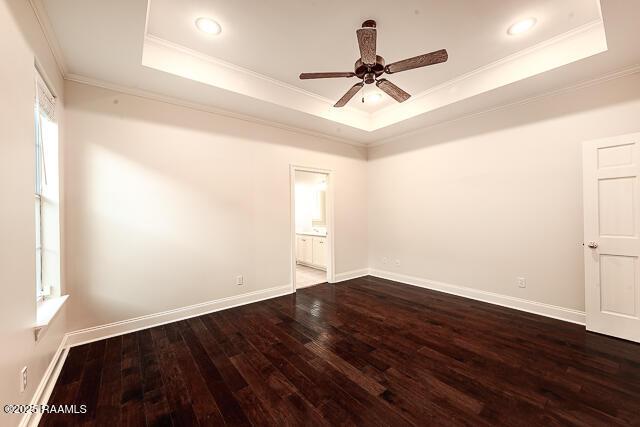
252,67
296,36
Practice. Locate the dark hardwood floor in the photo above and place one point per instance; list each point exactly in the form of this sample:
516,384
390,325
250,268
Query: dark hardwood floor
363,352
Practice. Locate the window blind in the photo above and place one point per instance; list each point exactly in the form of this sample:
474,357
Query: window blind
45,101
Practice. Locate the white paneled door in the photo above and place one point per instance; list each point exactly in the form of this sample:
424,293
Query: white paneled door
611,169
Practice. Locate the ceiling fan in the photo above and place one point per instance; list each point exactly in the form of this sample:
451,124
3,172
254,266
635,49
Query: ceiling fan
371,66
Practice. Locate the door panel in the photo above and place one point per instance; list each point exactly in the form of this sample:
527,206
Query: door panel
618,283
302,249
617,155
611,169
308,250
616,206
319,252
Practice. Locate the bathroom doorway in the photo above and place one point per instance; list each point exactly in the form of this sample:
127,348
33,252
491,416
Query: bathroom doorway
312,221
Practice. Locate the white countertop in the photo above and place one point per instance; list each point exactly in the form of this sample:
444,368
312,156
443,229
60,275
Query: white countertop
311,233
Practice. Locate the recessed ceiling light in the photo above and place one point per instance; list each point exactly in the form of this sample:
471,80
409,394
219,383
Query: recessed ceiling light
209,26
522,26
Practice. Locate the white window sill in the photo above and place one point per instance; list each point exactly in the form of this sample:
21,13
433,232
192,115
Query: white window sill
46,310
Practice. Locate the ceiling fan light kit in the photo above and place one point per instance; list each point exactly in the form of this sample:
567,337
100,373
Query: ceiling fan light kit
370,67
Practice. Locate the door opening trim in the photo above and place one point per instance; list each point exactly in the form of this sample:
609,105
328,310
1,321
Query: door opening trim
329,207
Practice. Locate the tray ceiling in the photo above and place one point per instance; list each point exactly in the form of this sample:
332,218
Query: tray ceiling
252,67
280,39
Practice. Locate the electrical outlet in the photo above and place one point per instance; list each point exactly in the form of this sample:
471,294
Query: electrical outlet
23,379
397,262
239,280
522,282
384,260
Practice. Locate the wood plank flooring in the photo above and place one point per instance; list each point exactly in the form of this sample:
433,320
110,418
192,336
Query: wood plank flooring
363,352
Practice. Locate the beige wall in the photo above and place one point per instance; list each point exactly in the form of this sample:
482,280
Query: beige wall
21,41
481,201
167,205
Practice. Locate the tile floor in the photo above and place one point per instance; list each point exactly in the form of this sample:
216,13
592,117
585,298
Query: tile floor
307,276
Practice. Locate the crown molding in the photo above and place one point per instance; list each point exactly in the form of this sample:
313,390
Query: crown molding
571,46
163,55
47,29
241,70
49,35
575,32
575,44
203,108
634,69
52,42
236,68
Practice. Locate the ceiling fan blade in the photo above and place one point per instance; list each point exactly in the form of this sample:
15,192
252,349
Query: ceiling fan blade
392,90
306,76
418,61
350,94
367,44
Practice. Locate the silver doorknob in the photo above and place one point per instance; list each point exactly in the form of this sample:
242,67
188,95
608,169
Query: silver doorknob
592,245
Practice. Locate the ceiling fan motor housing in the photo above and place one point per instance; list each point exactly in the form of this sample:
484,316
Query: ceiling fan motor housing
369,23
369,73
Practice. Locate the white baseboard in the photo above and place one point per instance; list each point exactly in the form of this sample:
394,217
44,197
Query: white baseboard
553,311
84,336
43,392
348,275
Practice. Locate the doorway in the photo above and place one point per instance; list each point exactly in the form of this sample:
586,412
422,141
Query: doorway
311,226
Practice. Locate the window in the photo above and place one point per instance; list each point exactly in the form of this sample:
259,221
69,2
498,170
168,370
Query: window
47,229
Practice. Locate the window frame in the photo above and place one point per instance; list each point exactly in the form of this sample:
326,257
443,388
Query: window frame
42,289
